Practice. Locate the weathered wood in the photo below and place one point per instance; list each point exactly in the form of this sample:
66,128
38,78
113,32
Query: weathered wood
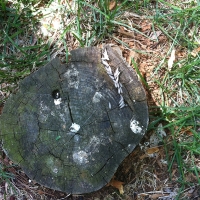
64,126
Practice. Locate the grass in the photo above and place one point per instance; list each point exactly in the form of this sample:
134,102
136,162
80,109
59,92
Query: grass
180,89
21,53
180,24
28,41
5,176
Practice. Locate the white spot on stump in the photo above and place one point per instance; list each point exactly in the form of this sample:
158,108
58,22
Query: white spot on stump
80,157
57,101
109,105
134,125
72,77
97,97
74,128
44,112
55,170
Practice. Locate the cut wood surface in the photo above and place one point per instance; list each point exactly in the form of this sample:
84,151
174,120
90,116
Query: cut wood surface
64,126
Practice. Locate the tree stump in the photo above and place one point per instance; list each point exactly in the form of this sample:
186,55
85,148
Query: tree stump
69,126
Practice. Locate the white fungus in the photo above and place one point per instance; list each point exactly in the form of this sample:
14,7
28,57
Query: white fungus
134,125
57,101
55,170
74,128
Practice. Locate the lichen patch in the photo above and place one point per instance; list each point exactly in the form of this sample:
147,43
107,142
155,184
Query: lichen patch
97,97
135,127
74,128
80,157
44,112
55,170
93,144
72,76
57,101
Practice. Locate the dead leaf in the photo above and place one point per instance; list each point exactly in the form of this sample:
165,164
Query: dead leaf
154,35
187,130
171,59
143,156
131,44
156,196
173,173
195,52
131,14
145,26
126,33
112,5
40,192
152,150
159,164
133,55
118,185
